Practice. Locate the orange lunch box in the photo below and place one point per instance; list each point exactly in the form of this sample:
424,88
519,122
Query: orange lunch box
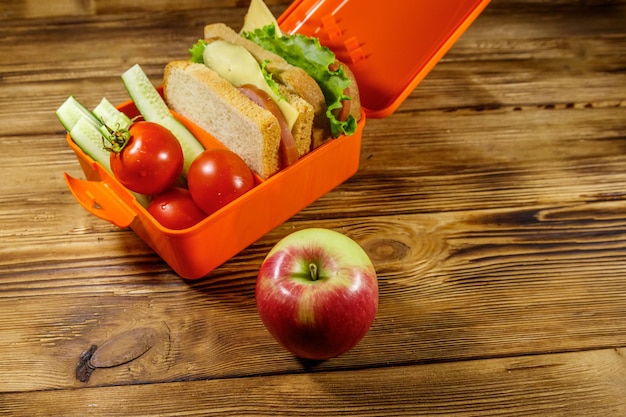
390,49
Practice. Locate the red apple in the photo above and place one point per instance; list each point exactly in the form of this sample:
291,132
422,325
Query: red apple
317,293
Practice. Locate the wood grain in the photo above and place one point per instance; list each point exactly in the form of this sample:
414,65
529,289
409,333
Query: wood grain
591,381
491,203
454,286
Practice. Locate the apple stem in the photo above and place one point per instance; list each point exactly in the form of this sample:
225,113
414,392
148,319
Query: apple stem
313,273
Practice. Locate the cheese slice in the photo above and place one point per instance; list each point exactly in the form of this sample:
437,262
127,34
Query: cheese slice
236,65
258,16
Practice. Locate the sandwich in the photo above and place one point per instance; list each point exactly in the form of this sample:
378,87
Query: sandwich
269,109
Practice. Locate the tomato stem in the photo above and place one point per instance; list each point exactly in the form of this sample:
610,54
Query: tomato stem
118,140
313,272
115,140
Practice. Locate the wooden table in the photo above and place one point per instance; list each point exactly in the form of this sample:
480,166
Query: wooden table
493,204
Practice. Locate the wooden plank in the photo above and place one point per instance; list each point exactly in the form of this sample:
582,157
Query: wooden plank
121,6
555,385
527,65
20,9
453,286
33,9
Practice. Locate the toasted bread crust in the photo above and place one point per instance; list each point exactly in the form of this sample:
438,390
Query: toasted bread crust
302,127
215,105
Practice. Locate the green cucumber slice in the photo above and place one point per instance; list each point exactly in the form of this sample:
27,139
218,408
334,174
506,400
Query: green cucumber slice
89,138
154,109
113,118
71,111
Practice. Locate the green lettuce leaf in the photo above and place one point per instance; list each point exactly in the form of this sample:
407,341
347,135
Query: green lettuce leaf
196,52
307,53
270,80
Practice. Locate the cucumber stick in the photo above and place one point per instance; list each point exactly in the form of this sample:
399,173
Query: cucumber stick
71,111
154,109
108,114
105,110
87,130
89,138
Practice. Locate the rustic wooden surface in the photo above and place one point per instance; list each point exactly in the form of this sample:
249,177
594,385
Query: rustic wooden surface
493,204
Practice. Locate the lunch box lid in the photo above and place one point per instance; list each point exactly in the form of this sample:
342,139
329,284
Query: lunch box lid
390,46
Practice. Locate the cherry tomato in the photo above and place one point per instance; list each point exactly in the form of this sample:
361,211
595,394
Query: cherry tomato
175,209
150,161
216,177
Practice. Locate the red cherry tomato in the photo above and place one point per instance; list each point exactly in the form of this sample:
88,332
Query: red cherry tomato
175,209
216,177
151,160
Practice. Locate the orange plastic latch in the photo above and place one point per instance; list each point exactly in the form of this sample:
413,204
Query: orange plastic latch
101,201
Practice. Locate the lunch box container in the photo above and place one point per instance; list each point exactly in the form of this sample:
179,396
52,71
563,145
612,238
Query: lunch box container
389,46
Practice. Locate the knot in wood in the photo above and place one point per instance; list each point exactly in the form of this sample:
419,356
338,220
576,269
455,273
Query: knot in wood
386,250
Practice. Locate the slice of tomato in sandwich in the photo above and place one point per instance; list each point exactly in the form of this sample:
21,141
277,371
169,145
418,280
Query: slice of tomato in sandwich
288,149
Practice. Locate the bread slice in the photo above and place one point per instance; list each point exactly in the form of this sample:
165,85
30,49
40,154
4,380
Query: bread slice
295,79
298,81
199,94
302,128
